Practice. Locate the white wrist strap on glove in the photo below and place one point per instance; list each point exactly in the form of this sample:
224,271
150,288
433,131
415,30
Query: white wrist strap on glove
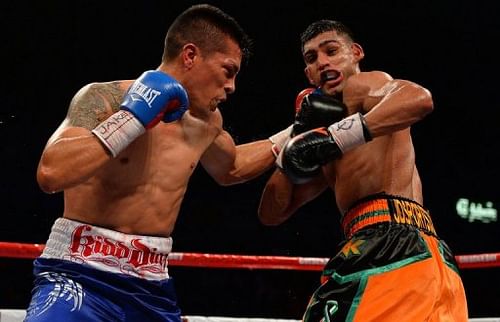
279,140
350,132
118,131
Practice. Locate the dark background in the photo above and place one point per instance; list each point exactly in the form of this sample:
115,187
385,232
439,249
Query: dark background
50,49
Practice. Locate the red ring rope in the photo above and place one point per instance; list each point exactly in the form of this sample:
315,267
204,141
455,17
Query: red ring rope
19,250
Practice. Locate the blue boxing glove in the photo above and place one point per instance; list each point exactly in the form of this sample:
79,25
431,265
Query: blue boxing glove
153,97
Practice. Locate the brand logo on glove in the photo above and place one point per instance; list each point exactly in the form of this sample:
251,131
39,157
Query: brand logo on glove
140,91
345,124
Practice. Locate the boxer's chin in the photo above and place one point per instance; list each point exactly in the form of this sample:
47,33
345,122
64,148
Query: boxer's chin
212,106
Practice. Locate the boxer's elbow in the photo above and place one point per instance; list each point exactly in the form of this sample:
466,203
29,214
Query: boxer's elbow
427,103
46,181
270,220
224,180
272,213
49,177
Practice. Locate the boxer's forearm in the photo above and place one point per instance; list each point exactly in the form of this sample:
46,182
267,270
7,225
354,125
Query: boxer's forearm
252,159
229,164
275,200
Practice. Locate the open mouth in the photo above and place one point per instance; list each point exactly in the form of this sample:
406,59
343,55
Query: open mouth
330,76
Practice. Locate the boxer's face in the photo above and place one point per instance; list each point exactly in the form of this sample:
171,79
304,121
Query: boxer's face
213,78
330,59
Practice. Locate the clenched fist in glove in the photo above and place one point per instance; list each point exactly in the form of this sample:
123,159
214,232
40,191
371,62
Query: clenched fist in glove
153,97
304,155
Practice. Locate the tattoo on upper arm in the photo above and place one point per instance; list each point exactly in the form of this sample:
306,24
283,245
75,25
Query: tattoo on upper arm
94,103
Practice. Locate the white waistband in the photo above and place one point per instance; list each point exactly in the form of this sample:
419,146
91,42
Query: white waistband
109,250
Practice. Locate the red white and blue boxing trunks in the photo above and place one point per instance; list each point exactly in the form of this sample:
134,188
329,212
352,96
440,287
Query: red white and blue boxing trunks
89,273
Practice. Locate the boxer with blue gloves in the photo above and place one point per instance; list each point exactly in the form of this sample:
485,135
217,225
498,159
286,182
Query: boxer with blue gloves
106,258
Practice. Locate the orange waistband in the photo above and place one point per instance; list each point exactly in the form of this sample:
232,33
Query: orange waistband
387,209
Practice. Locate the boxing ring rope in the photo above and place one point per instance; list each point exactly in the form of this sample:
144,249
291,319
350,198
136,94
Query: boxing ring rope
30,251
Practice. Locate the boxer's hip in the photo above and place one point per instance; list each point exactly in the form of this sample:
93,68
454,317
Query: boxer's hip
383,208
108,250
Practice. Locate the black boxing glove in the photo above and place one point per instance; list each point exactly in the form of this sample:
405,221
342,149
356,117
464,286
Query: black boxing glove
317,110
279,139
304,155
313,110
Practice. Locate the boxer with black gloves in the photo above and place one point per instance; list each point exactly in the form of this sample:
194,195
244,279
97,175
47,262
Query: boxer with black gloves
392,266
